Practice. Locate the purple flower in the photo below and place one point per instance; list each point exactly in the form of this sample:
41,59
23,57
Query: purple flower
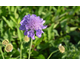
31,24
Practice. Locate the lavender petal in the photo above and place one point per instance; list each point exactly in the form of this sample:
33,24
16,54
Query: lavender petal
39,32
22,27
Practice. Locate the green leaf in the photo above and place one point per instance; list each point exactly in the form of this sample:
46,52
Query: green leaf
73,28
55,32
13,19
8,23
47,14
12,8
41,57
54,8
40,10
1,28
19,34
38,41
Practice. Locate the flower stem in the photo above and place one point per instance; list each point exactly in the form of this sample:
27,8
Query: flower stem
51,54
1,52
21,51
30,49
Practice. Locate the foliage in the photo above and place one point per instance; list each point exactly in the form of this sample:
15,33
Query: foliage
63,28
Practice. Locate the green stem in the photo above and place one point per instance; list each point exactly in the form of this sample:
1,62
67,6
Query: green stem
51,54
21,51
2,52
30,49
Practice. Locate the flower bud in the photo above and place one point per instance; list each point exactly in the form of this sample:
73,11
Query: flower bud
5,42
61,48
9,47
26,39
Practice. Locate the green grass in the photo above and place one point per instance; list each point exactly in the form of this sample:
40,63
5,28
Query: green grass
63,28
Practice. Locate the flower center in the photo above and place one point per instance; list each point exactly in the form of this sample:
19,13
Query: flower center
33,24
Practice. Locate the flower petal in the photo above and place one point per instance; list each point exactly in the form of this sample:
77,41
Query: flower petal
39,32
26,16
34,15
25,33
25,19
43,21
31,34
23,22
44,27
22,27
26,26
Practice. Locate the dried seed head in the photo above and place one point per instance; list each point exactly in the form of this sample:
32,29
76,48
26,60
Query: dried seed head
5,42
26,39
61,48
9,47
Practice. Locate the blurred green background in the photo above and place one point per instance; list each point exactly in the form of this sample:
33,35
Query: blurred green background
63,28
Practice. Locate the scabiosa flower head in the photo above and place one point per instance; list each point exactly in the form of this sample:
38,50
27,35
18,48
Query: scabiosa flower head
32,23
